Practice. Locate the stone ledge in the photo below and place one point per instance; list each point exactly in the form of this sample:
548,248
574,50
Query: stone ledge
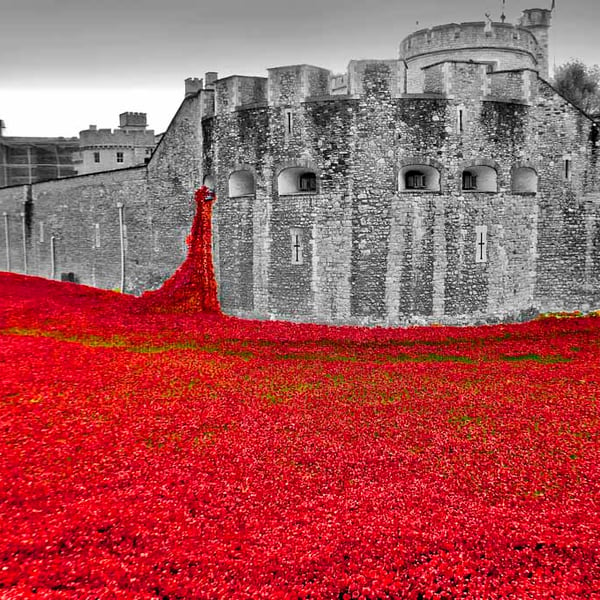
506,100
252,106
418,192
330,98
423,96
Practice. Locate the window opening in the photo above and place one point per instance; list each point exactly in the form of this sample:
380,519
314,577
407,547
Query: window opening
297,246
415,180
96,157
119,157
289,121
307,182
481,244
469,181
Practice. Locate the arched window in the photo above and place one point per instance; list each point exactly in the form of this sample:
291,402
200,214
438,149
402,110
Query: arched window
209,182
297,180
241,183
524,181
419,178
480,179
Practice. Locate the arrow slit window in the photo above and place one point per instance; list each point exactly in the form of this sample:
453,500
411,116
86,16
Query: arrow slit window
289,121
297,246
481,244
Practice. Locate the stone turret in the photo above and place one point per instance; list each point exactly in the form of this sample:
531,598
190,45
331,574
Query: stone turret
132,121
502,46
192,86
538,20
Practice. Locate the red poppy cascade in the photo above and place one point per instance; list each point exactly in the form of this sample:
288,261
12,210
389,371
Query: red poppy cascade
193,287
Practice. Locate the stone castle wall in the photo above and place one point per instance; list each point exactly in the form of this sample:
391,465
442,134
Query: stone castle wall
78,217
358,248
374,254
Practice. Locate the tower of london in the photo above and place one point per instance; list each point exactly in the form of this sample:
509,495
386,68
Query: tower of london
451,184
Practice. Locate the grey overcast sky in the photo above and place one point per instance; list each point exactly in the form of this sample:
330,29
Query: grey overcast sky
65,64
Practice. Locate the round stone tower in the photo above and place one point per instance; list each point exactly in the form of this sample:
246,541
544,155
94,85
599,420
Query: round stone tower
504,46
538,20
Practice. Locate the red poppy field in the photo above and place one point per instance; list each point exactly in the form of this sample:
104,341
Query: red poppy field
171,455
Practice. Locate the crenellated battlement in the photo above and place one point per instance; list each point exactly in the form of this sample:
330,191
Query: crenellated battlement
239,91
290,85
116,138
470,35
424,66
389,73
133,120
193,85
503,46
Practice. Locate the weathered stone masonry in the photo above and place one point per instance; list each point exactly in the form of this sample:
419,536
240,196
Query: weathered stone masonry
451,185
74,225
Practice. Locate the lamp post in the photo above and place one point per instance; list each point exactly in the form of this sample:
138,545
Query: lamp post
24,242
7,241
122,237
52,259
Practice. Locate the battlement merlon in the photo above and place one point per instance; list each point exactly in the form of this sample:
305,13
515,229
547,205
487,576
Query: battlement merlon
389,72
290,85
133,120
237,91
193,85
210,78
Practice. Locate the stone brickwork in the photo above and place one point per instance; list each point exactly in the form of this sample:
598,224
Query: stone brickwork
508,84
452,185
378,254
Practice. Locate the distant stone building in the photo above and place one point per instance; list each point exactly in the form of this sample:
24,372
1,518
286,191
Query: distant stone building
105,150
26,160
452,184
